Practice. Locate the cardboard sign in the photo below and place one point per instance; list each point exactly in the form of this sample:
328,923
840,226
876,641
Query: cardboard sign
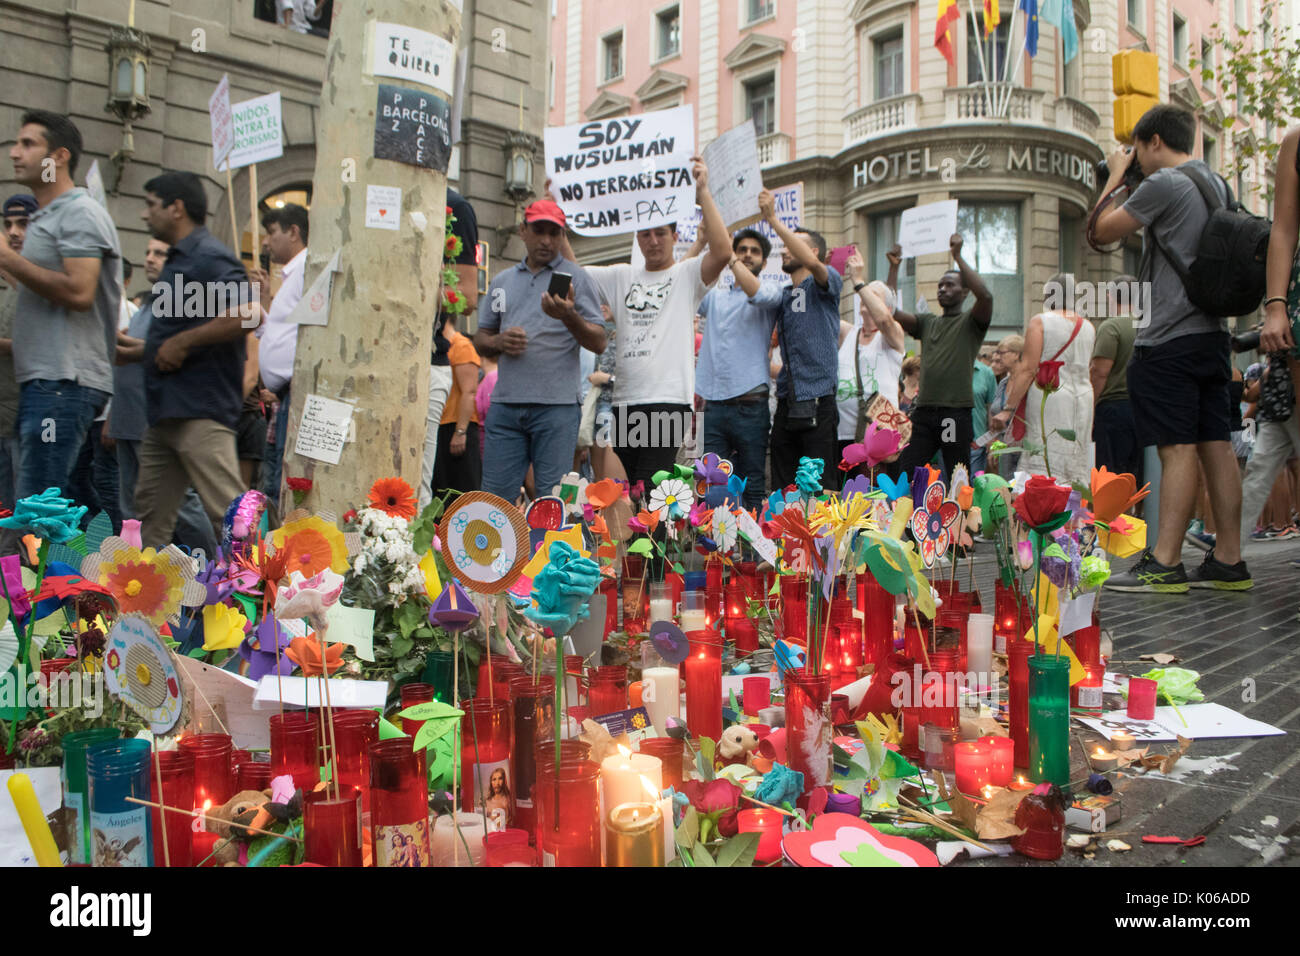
884,413
258,135
735,178
323,429
95,184
412,127
623,174
223,123
415,56
924,230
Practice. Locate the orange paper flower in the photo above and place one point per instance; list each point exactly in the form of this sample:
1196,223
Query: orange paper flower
1113,494
305,652
965,498
394,497
311,545
604,493
648,518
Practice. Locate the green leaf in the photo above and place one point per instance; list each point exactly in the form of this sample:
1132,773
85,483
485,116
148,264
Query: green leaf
198,653
1067,433
431,710
433,730
690,826
739,850
701,856
708,747
639,546
410,616
678,568
401,646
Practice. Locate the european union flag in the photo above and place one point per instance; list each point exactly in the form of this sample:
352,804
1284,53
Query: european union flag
1030,7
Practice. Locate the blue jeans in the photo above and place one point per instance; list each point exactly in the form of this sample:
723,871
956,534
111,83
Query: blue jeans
544,436
739,433
53,419
979,461
273,462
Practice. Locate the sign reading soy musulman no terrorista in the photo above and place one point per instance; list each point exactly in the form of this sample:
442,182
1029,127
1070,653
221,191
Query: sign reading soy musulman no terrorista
412,127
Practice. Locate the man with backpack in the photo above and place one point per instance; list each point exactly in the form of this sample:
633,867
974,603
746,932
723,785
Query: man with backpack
1179,373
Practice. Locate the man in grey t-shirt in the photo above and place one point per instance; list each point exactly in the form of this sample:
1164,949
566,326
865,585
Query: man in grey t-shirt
65,327
1179,373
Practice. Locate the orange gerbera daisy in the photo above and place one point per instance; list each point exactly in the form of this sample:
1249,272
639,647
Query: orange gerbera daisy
394,497
311,545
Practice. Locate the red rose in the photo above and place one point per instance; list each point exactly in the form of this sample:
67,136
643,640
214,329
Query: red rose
1042,502
449,210
350,515
298,484
1048,377
452,296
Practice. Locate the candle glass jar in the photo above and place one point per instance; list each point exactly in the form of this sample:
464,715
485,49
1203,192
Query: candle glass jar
660,687
399,804
295,749
1006,615
743,633
979,647
75,787
703,670
767,824
172,783
354,732
1087,644
1142,698
508,848
1049,719
671,754
757,694
607,688
636,595
609,591
412,694
1018,654
486,743
568,822
1041,814
973,767
694,611
440,672
808,727
121,829
877,607
1002,758
458,839
634,835
331,827
880,696
794,607
1086,695
530,701
214,778
662,606
252,775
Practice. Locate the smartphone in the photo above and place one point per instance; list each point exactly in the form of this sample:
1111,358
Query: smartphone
560,285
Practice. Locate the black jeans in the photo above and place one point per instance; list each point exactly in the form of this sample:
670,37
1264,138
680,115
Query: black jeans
820,442
738,432
646,438
1115,433
938,429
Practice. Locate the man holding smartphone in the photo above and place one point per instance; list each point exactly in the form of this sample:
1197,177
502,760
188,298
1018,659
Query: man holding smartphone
536,316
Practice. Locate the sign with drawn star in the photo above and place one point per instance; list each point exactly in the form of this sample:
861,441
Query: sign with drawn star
484,542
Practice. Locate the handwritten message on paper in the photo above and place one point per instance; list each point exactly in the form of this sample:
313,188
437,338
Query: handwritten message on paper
323,429
223,122
734,176
621,175
416,56
924,230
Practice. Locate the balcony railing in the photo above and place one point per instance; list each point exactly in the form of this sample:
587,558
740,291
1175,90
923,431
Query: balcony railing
892,115
773,150
990,103
1073,116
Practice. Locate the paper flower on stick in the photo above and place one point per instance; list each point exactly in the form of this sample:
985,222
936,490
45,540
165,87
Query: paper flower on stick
223,627
808,476
149,583
894,489
725,529
47,515
263,650
1043,505
671,499
792,526
604,493
453,610
305,652
561,589
311,545
1123,537
309,597
930,523
1113,494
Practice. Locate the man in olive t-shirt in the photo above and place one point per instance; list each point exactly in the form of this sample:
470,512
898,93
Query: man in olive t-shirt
1113,428
941,419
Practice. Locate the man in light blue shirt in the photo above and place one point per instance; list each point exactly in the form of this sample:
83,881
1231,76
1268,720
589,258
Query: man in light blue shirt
732,375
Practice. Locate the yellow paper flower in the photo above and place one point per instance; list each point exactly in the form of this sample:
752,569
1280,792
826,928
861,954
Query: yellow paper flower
143,582
223,627
311,545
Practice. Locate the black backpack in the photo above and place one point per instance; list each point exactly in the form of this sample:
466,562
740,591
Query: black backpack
1227,276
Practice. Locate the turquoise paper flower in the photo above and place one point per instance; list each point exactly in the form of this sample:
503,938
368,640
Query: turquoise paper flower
561,589
808,477
48,516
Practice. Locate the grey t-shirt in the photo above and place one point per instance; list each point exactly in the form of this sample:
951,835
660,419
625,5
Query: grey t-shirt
129,421
51,342
1169,203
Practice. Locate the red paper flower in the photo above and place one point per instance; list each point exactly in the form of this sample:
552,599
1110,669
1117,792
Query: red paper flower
350,515
1048,377
298,484
931,522
716,800
1044,504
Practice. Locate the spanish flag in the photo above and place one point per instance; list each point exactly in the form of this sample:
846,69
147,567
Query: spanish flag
992,16
949,13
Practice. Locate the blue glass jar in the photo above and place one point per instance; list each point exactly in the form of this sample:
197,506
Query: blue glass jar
120,830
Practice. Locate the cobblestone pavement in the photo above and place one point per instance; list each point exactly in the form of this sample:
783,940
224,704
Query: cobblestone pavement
1244,646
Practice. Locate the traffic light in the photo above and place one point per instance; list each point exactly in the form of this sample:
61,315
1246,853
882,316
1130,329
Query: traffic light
1135,79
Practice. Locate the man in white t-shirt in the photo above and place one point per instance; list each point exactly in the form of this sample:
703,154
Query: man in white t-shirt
654,311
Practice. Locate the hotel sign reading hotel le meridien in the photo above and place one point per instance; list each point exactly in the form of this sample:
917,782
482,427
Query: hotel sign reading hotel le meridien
946,162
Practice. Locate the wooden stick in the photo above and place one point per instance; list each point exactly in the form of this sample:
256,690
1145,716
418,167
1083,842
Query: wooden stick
785,813
213,710
230,197
254,225
206,818
925,816
157,769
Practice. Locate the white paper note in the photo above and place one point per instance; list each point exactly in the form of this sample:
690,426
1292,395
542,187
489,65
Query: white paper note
323,429
223,689
383,207
923,230
314,307
1197,722
734,176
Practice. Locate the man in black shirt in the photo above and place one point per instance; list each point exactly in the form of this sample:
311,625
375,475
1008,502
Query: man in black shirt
193,362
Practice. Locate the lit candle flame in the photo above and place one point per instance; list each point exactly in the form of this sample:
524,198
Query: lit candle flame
649,787
627,754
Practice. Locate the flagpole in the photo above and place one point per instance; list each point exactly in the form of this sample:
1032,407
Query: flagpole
1006,66
1020,60
979,40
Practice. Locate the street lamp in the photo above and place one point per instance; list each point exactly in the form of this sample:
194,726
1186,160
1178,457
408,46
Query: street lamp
520,150
128,91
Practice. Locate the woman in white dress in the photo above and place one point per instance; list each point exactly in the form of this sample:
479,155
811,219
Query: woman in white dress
1066,338
876,340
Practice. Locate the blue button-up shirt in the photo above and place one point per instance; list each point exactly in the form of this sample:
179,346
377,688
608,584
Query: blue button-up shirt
737,331
809,334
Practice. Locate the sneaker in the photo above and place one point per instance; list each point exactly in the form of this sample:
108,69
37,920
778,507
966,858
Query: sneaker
1201,539
1222,577
1290,531
1260,534
1149,576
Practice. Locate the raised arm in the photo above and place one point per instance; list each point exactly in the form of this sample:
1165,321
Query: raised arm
1116,223
982,313
799,250
895,257
1022,376
1276,334
714,229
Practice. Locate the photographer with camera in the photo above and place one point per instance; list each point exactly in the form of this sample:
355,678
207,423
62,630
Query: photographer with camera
1179,373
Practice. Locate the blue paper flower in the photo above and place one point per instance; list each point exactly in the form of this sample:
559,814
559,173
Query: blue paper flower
48,516
562,588
736,487
778,502
808,476
780,786
893,489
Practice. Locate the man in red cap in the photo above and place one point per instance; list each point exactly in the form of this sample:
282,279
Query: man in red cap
534,415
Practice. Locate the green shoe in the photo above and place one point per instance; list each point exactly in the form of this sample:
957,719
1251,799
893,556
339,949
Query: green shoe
1222,577
1149,576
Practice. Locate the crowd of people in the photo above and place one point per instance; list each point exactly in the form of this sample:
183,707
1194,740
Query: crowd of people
148,410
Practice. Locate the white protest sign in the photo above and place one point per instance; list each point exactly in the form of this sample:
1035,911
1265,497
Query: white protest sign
95,184
621,175
216,689
323,429
383,207
223,123
1195,721
734,176
314,306
258,135
413,55
924,230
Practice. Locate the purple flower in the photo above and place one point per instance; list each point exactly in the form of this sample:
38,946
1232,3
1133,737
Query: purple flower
259,650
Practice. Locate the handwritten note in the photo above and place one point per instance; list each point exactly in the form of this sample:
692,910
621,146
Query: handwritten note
923,230
323,429
734,176
751,532
314,307
384,207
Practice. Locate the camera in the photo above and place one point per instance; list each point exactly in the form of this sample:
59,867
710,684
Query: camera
1132,176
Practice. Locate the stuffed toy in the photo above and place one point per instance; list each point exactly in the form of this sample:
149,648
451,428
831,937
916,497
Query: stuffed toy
229,820
736,744
241,846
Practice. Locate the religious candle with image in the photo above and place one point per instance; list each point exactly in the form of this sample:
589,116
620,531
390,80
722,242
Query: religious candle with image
486,743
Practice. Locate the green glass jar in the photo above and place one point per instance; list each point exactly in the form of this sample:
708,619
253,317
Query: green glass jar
439,671
1049,719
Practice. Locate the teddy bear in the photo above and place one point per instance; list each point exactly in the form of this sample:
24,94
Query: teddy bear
241,846
736,744
228,820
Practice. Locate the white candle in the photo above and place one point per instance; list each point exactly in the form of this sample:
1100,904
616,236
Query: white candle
620,779
448,850
694,619
979,646
661,694
670,843
661,609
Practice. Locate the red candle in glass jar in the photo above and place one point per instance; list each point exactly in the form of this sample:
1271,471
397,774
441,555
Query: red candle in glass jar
1087,694
295,749
1142,698
794,607
354,732
486,742
973,766
703,671
610,590
252,775
744,634
877,606
568,818
1087,644
757,694
607,688
1002,759
808,727
714,593
214,779
508,848
532,703
1018,654
399,804
332,828
174,770
671,754
413,694
767,824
